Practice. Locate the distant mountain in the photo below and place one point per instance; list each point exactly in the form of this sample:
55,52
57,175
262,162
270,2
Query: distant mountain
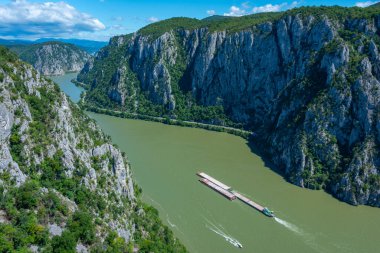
15,42
53,58
90,46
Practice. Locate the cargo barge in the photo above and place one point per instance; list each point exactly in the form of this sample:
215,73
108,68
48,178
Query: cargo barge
218,189
214,181
227,192
253,204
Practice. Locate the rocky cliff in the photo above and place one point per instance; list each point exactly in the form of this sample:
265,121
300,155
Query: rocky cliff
64,186
305,81
53,58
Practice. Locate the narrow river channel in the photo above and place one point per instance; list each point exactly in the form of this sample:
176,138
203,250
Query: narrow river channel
165,159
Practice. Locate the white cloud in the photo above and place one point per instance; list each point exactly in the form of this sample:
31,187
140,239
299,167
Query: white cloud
364,4
152,19
267,8
21,18
211,12
235,12
274,8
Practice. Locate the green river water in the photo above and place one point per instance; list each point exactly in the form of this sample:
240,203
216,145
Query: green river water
164,161
68,87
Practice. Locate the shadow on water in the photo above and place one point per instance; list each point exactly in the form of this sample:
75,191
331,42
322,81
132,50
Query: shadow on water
260,151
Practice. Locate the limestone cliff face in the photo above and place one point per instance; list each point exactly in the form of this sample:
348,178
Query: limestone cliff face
68,170
307,85
54,58
69,135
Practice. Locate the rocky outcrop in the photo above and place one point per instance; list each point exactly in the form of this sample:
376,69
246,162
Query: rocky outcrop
307,84
54,58
17,128
57,163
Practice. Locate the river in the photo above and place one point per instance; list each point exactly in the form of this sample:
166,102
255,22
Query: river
67,86
164,161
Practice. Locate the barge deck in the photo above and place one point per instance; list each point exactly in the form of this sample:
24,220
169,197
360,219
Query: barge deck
218,189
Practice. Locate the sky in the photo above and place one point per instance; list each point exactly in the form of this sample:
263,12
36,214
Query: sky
102,19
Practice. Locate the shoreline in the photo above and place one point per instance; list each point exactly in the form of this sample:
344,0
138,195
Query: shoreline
165,120
192,124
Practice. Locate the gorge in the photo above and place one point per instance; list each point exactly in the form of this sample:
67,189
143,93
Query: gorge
100,143
305,81
164,160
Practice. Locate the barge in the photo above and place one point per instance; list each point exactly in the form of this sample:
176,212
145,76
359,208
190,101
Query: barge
227,192
218,189
214,181
253,204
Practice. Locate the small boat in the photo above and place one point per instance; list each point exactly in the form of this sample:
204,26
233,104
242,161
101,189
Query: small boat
268,212
234,242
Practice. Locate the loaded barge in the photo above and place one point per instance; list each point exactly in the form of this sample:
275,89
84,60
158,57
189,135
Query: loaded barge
215,187
258,207
214,181
227,192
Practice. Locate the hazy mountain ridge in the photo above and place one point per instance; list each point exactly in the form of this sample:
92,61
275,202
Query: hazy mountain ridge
52,58
64,186
90,46
306,81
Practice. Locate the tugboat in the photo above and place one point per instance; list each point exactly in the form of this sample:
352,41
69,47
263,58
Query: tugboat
268,212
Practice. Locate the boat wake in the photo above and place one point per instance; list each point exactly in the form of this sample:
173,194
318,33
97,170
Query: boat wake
289,226
170,223
227,237
158,205
162,209
308,238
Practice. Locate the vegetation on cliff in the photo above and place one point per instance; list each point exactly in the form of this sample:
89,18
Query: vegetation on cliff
63,186
305,81
236,24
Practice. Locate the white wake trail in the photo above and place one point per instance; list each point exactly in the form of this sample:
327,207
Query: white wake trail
309,239
229,239
289,226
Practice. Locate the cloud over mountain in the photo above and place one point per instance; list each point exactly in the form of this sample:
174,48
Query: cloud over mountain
246,9
21,18
365,4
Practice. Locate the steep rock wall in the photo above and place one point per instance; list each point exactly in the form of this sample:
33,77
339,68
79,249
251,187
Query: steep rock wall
307,85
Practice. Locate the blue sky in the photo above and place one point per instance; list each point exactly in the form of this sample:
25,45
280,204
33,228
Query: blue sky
101,19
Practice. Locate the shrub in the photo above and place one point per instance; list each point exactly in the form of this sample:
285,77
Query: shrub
82,226
27,196
65,243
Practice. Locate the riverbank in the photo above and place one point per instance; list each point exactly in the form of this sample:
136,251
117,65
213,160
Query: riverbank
165,120
164,160
235,131
79,84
